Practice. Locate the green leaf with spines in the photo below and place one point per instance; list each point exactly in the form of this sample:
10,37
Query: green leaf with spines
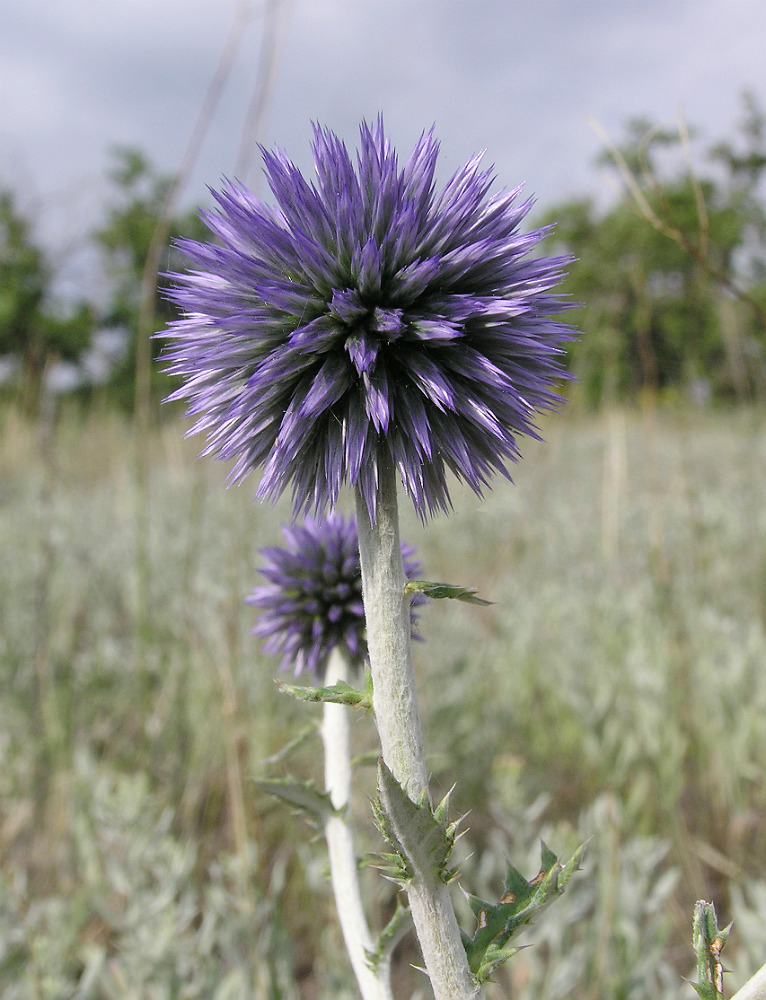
301,794
422,842
520,903
708,940
394,866
440,810
390,936
440,591
338,694
706,991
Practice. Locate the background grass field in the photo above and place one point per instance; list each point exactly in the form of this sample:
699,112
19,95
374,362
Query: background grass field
616,690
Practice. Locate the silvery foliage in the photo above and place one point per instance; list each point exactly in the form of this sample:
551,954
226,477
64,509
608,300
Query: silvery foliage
139,922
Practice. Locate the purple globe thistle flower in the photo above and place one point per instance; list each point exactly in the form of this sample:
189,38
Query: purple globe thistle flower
367,318
312,602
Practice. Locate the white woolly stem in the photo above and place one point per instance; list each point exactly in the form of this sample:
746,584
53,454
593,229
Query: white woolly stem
754,988
340,842
387,612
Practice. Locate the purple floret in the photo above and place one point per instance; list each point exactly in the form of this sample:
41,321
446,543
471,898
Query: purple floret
312,600
367,315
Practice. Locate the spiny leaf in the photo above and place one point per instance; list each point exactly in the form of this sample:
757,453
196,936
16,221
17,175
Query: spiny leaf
439,591
412,829
302,794
706,991
495,957
440,811
339,694
394,868
390,936
521,901
708,940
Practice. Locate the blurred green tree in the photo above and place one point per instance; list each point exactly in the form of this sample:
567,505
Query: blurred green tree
33,330
125,240
673,274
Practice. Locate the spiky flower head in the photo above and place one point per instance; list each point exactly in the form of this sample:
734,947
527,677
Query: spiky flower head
367,318
312,601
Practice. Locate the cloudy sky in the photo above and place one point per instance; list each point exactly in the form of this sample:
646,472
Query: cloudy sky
518,78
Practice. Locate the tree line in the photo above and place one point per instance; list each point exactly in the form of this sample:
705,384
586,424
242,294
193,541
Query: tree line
671,275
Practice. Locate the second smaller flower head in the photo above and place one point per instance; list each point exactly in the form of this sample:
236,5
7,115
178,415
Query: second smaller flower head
312,601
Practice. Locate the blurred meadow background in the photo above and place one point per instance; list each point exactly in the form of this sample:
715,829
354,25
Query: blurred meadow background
615,689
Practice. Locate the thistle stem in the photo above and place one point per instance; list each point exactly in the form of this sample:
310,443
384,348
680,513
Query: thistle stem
387,613
754,988
373,985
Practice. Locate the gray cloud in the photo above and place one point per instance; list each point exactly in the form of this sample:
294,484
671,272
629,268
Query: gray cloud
518,79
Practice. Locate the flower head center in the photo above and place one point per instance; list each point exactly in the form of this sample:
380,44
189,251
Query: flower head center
369,327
